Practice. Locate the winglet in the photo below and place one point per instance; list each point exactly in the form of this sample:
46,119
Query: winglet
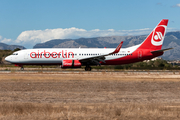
118,48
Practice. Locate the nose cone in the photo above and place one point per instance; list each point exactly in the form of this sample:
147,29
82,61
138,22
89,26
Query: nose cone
8,59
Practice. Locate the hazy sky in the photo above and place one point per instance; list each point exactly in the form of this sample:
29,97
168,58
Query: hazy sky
27,22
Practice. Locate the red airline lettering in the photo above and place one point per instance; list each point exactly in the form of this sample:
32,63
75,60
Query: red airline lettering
69,53
53,54
32,54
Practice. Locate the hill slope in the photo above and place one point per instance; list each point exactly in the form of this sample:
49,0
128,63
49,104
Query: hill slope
10,47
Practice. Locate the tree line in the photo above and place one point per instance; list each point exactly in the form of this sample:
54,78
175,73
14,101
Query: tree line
158,64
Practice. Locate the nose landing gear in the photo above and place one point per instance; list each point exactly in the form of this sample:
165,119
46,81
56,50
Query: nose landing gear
22,68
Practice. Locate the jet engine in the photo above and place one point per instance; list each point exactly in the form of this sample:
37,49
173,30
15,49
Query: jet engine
71,64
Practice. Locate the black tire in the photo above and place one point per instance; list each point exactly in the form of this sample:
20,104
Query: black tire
87,68
22,68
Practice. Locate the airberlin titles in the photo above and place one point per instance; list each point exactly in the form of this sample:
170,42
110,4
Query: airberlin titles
46,54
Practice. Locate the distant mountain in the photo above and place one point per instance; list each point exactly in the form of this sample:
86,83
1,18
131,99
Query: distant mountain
98,42
10,47
172,39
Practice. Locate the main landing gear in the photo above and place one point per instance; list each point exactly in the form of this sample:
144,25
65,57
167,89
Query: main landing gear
87,68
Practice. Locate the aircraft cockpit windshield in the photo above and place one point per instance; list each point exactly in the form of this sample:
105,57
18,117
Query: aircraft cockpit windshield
15,54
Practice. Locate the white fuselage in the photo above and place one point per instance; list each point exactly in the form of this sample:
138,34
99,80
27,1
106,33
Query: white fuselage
57,55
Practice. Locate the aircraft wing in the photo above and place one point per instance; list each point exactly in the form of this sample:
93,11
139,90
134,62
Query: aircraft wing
97,59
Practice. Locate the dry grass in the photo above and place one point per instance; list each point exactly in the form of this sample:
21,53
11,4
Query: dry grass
29,111
89,96
120,76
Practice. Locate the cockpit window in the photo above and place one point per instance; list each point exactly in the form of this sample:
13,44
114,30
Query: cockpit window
15,54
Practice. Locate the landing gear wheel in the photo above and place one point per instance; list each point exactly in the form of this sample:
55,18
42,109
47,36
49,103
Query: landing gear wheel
22,68
87,68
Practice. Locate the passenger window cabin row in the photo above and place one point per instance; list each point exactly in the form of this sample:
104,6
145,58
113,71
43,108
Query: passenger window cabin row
83,54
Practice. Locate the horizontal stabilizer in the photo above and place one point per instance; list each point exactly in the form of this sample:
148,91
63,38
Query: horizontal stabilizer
156,51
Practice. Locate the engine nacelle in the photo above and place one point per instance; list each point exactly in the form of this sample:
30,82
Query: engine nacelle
71,64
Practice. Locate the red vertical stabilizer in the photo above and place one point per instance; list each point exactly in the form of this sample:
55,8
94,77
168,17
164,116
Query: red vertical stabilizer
155,39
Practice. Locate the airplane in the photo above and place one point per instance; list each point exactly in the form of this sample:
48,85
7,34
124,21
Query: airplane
77,57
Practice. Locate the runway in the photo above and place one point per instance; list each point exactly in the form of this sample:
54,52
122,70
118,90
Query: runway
77,71
103,94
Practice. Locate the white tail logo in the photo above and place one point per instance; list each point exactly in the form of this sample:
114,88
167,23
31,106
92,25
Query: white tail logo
158,35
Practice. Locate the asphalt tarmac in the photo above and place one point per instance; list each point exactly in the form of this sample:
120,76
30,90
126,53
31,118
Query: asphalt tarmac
54,70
